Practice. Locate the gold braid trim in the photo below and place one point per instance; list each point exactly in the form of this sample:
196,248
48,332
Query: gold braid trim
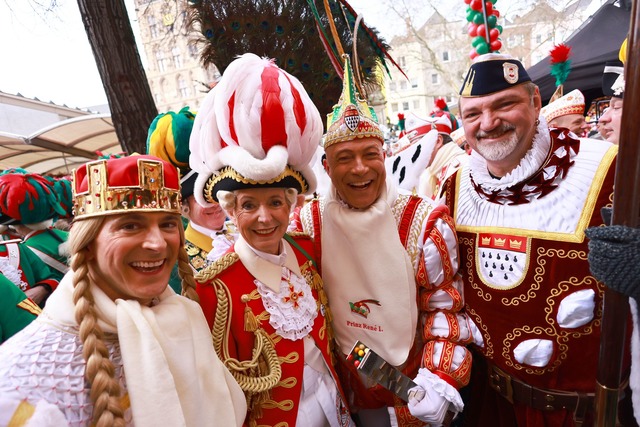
215,268
228,172
298,234
258,375
315,282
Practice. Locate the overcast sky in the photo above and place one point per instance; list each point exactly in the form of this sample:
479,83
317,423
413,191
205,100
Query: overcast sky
46,55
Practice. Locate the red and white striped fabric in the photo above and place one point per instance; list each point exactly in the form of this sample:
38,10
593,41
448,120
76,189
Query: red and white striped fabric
257,119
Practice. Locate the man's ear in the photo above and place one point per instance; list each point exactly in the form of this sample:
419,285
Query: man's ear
325,165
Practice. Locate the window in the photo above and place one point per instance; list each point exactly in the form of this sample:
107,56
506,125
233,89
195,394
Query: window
414,83
392,86
153,26
416,104
183,88
161,61
449,99
402,61
177,58
394,107
435,79
405,106
445,56
539,38
403,85
193,50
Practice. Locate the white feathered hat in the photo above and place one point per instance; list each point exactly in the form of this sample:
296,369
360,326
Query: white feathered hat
256,128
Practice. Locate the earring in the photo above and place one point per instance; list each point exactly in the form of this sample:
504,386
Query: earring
185,211
537,122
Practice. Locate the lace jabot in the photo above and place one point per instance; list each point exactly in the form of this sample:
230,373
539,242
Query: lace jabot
539,172
293,309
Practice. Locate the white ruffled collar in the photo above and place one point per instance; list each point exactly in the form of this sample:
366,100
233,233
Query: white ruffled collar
292,310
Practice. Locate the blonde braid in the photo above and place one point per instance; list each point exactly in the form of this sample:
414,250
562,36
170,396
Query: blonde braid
186,272
99,370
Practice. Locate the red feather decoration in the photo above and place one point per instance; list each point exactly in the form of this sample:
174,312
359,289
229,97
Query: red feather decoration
559,53
441,104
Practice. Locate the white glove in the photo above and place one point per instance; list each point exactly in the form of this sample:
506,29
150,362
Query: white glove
432,397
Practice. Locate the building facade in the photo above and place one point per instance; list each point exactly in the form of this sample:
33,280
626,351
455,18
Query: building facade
435,56
176,76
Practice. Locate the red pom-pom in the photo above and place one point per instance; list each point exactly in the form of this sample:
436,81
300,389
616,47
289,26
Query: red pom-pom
400,116
441,104
560,53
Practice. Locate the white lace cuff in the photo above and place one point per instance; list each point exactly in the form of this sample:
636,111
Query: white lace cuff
428,380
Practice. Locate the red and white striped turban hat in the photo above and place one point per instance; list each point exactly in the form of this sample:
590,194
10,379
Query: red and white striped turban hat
256,128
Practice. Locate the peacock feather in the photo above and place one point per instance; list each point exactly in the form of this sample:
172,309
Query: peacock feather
297,34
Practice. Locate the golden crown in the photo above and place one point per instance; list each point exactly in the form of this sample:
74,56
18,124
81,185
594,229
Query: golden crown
134,183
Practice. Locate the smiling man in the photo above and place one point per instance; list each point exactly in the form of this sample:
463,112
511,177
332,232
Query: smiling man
385,251
521,206
612,85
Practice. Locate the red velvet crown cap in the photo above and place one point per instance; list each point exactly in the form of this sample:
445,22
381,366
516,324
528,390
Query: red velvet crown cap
141,183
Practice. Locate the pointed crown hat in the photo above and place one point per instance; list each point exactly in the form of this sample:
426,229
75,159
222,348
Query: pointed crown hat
352,118
256,128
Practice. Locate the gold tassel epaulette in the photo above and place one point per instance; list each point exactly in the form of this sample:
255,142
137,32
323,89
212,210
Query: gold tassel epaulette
251,324
217,267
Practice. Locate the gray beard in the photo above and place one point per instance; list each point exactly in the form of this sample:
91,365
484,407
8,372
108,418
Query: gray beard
497,151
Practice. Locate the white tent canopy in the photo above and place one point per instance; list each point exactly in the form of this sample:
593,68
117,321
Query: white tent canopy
61,147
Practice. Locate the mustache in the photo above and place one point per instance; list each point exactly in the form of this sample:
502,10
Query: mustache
495,132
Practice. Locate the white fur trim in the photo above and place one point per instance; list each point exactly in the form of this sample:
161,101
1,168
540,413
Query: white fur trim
242,81
198,189
310,176
254,168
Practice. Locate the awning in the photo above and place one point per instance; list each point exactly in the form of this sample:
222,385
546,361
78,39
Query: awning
597,42
61,147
